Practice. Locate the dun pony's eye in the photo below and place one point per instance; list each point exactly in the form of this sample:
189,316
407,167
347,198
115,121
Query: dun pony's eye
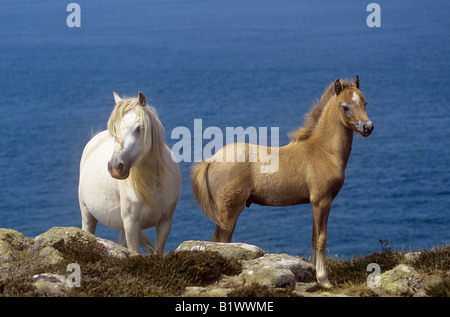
345,107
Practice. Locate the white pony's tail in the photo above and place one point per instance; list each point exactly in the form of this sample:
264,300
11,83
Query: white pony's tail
144,241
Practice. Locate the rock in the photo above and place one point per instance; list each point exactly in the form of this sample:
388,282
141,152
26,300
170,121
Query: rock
401,280
114,249
49,255
272,270
197,291
54,240
49,244
12,243
238,251
57,236
49,284
411,257
276,270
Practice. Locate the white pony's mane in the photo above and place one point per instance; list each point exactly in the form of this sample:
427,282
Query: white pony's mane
144,176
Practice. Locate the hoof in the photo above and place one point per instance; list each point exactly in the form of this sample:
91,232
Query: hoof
325,283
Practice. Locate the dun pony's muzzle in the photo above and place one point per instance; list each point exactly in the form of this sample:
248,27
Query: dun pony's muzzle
365,127
118,169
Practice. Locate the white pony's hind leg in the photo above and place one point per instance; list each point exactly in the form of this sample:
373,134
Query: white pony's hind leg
121,239
162,232
88,222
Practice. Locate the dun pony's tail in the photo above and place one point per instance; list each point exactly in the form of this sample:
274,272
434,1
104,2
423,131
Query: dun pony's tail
144,241
202,194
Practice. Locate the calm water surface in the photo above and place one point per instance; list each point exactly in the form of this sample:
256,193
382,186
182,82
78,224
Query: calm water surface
232,63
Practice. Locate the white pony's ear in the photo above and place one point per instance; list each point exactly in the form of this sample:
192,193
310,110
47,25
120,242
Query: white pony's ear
116,97
141,99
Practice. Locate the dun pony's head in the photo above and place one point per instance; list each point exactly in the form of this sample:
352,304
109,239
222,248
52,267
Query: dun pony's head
353,107
130,125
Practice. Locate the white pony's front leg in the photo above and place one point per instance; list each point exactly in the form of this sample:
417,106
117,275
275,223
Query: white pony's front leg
131,226
132,231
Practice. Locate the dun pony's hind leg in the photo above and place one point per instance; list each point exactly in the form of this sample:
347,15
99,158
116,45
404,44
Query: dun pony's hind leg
321,210
223,235
88,222
229,217
230,206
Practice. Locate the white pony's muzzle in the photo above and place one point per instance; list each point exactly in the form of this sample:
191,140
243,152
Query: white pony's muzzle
118,169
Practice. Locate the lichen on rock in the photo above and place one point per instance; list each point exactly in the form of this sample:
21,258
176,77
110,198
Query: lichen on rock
401,280
11,244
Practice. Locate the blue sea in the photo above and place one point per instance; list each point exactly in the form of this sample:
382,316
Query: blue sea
249,63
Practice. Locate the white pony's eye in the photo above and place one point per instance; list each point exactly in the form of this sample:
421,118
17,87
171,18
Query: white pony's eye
138,129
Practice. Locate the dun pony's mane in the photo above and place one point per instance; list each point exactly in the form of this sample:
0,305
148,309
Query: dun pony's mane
144,176
313,117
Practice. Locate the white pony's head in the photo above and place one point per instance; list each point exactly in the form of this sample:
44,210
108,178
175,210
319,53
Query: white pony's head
130,124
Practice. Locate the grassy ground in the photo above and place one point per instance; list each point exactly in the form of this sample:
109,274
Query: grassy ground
350,276
140,275
170,274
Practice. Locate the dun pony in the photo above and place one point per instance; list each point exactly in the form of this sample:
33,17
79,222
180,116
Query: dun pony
311,169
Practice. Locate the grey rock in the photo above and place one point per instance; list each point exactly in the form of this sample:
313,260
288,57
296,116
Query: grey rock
276,270
12,243
238,251
49,284
272,270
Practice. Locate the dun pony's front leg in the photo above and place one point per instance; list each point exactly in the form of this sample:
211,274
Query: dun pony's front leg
321,210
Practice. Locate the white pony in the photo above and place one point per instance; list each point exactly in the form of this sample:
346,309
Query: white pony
128,179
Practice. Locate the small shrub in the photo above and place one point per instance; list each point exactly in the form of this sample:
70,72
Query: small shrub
440,289
433,260
152,275
79,248
354,271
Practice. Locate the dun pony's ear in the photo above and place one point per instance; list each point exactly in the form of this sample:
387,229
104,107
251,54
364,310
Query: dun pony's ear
357,81
116,97
337,86
141,99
